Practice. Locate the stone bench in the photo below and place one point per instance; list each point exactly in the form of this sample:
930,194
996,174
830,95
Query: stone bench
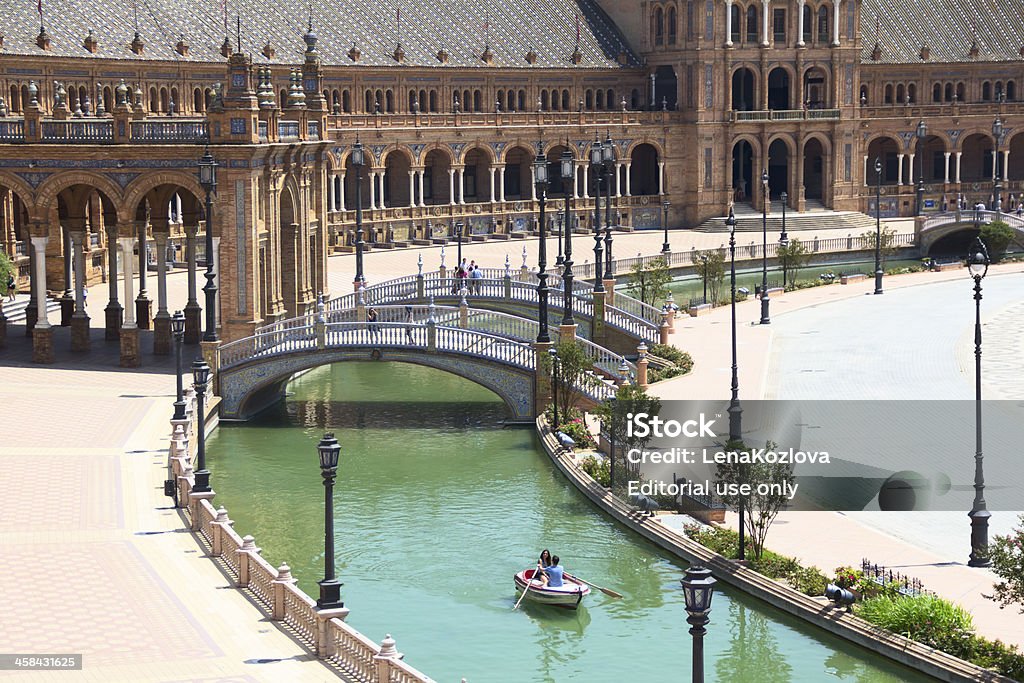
517,235
702,309
853,277
939,267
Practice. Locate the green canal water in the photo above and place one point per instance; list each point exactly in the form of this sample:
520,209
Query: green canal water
437,506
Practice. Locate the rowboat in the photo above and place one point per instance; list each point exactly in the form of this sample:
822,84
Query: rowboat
569,595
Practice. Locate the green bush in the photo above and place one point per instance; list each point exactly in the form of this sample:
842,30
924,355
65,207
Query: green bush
808,580
997,655
599,470
719,539
928,619
848,577
774,565
576,429
997,236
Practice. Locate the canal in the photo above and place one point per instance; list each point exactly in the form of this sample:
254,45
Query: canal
437,506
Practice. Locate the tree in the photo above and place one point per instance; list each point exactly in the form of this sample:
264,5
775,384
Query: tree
573,366
767,483
710,267
792,258
7,269
997,236
1007,556
869,238
629,398
649,282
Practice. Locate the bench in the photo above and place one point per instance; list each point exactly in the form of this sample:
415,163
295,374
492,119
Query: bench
852,277
701,309
939,267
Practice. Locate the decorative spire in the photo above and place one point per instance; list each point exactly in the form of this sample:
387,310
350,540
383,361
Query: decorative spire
90,43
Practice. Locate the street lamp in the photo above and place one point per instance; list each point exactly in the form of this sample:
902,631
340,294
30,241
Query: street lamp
612,402
358,159
922,133
568,176
208,179
765,320
458,238
330,588
200,379
878,226
977,265
698,589
608,167
559,217
553,355
665,248
178,330
783,238
596,164
704,273
997,133
735,410
540,168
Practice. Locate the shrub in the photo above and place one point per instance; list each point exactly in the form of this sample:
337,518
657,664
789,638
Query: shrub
1007,556
997,655
599,470
997,236
928,619
774,565
848,577
576,429
808,580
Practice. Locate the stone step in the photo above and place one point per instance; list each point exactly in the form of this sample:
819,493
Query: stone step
853,222
14,311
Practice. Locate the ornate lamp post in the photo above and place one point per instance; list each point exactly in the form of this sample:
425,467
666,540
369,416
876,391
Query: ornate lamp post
330,588
560,217
200,379
704,269
568,176
997,134
878,226
784,238
698,589
208,179
540,168
665,248
358,159
735,410
977,265
553,354
459,227
765,320
596,164
922,133
608,157
178,331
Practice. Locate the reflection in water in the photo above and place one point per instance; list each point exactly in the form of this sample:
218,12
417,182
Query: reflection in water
752,652
436,509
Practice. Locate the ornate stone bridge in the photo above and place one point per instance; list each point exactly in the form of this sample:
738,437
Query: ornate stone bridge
941,225
493,349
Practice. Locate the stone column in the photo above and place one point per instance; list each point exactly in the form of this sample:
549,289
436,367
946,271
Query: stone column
629,189
835,22
946,155
340,204
533,184
451,186
373,190
42,333
412,189
216,278
113,311
1005,175
728,23
493,172
162,321
143,304
958,155
585,172
800,23
423,197
383,179
462,185
866,183
193,312
765,18
67,301
618,180
899,173
661,177
80,320
910,169
330,193
129,331
501,184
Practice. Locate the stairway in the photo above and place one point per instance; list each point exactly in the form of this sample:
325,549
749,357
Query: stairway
15,310
815,218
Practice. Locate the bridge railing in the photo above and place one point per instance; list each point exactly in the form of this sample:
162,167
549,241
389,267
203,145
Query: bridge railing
637,308
608,362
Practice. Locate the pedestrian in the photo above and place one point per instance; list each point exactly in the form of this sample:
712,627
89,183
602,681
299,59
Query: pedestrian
478,279
12,287
85,295
409,320
371,319
1020,210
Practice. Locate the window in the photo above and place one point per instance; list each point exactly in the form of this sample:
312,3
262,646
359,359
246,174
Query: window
1011,90
823,25
808,24
949,92
734,34
888,93
779,26
752,24
986,91
659,26
589,100
937,92
671,21
469,180
513,173
912,93
900,94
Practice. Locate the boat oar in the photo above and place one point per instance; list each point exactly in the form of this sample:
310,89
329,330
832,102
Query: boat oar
525,590
607,591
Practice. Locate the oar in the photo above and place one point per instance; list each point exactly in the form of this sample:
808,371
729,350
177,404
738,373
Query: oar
607,591
525,590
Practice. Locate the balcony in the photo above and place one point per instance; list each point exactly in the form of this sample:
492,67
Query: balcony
784,115
78,131
169,130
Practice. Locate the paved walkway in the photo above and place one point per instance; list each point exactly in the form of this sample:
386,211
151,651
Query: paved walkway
94,561
918,338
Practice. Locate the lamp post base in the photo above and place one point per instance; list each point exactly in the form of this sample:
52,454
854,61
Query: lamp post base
330,595
979,538
765,320
878,281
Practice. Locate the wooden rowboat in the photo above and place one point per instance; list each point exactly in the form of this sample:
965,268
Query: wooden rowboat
569,595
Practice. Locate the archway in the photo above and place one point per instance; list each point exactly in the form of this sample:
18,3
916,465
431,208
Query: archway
930,154
643,173
814,169
289,253
436,179
743,96
666,88
1015,169
976,161
517,174
397,167
742,170
816,90
556,186
476,176
778,89
778,168
887,151
350,184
